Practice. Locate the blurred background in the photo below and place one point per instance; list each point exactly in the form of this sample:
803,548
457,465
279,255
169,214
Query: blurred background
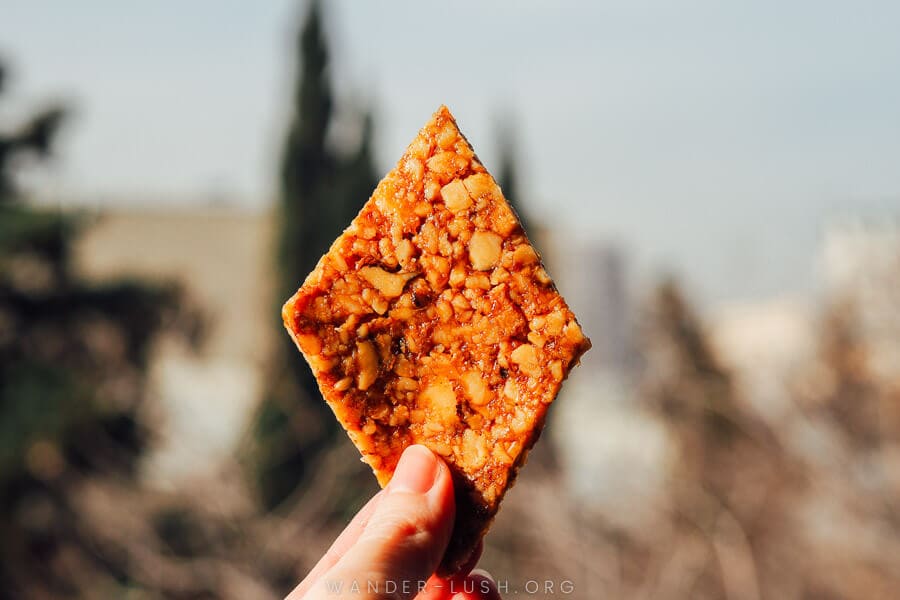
714,186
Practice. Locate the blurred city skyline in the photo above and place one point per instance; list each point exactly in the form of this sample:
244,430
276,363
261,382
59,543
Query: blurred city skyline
724,166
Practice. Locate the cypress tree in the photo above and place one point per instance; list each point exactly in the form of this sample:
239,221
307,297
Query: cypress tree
321,190
508,169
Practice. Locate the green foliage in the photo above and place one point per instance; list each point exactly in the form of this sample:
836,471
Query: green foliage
508,170
72,361
33,139
321,191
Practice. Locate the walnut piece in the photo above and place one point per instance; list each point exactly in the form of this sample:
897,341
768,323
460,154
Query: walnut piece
389,284
455,196
484,250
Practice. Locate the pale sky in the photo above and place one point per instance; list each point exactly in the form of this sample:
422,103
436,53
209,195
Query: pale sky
713,138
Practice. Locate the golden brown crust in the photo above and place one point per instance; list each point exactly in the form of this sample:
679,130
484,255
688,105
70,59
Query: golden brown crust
431,320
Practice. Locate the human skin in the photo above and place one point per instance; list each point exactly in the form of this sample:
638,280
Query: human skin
393,545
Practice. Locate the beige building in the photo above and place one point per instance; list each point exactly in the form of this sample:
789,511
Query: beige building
860,263
223,258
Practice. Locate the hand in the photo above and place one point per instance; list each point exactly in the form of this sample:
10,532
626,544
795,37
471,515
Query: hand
393,545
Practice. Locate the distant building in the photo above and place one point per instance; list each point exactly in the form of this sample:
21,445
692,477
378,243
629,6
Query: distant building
611,452
860,264
763,343
221,256
593,278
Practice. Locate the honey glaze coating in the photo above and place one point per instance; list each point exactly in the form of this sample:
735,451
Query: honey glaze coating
431,320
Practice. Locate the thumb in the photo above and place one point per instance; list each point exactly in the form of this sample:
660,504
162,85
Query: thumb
406,536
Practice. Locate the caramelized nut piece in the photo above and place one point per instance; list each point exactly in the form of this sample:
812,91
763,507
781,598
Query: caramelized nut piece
407,384
475,387
573,333
405,251
478,281
556,369
554,323
367,363
526,357
389,284
484,250
525,255
442,448
379,305
447,137
474,448
481,185
439,399
455,196
446,164
457,276
420,148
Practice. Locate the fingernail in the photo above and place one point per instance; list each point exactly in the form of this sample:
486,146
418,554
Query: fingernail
482,573
416,472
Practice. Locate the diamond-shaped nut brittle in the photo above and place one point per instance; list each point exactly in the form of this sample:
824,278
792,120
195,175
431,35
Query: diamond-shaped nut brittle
432,321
